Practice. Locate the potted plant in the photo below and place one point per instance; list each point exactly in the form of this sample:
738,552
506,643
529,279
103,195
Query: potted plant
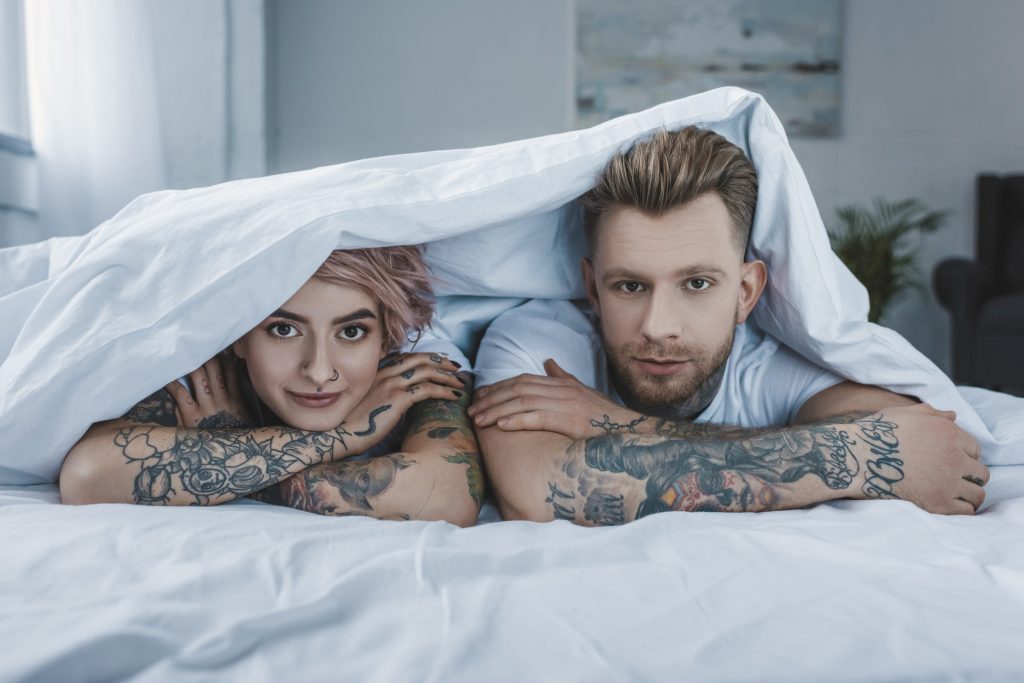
872,242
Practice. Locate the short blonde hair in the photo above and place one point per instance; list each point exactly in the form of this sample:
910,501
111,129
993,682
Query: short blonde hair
396,277
671,169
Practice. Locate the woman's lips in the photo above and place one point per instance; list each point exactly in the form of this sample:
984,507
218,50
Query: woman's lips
653,366
314,400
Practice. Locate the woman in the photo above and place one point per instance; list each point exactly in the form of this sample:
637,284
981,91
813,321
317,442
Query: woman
280,415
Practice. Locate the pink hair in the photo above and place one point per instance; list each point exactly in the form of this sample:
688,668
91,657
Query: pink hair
396,277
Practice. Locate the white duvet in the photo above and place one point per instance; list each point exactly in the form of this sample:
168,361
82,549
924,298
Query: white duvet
850,591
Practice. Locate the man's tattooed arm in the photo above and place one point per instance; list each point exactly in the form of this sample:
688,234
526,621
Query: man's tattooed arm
620,477
436,476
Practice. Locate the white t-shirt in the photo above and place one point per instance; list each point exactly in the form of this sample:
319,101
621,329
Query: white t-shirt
765,382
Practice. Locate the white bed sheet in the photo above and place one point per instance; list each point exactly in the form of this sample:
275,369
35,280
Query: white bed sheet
851,591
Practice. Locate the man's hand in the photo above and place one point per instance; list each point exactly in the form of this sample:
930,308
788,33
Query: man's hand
918,454
557,403
217,403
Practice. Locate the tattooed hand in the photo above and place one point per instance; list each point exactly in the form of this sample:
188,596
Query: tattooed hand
402,381
918,454
217,401
557,403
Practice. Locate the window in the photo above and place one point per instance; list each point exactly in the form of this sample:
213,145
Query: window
13,81
18,191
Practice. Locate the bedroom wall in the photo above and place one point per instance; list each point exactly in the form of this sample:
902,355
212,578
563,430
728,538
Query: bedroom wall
351,80
932,94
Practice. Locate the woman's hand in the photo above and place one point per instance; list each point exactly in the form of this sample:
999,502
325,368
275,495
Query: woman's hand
218,402
402,381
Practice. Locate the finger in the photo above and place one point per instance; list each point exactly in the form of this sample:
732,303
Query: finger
187,408
408,365
972,493
201,389
522,386
428,390
536,421
970,445
961,507
215,374
555,370
977,473
524,404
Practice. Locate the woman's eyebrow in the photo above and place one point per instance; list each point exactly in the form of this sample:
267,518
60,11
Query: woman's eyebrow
361,314
357,315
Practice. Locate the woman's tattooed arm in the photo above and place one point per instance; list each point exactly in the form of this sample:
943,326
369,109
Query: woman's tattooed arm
436,476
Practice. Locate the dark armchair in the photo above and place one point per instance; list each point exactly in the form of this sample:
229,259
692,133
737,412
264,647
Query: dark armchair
986,296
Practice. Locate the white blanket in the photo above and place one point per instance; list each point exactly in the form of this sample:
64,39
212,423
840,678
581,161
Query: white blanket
92,324
848,591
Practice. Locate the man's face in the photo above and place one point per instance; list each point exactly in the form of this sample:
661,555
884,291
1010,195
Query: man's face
669,291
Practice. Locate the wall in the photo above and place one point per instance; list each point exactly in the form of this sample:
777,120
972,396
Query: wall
359,79
932,95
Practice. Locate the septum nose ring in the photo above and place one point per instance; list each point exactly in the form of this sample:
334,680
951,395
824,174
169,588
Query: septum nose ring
337,374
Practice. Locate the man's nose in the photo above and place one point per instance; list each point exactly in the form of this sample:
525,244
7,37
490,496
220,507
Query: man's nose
663,317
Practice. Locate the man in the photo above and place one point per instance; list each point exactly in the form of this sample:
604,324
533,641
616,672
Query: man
672,402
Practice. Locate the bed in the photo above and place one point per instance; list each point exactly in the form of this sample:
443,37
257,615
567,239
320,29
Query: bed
848,591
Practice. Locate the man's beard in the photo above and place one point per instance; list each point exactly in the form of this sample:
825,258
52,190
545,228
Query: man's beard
670,395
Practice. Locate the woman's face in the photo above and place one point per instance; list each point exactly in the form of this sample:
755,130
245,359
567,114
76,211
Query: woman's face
327,337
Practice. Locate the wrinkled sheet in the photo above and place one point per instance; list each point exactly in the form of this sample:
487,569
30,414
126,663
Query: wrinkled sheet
850,591
92,324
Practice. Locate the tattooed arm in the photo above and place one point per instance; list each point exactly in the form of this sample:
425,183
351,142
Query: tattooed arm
145,457
912,453
437,476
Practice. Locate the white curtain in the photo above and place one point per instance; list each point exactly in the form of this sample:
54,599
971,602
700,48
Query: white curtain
132,96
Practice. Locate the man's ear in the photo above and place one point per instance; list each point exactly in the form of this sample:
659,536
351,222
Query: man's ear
753,278
590,283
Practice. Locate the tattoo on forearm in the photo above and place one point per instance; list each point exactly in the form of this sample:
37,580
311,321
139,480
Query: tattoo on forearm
372,428
714,468
610,427
157,408
222,420
562,502
448,422
340,488
885,470
215,465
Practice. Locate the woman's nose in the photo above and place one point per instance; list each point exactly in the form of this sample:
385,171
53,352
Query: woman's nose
318,367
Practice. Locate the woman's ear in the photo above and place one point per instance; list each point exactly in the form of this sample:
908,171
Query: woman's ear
239,349
752,282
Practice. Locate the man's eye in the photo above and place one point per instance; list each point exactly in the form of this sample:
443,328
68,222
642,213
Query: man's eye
283,330
698,284
630,287
353,332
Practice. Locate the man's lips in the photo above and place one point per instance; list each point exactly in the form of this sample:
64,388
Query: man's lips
660,366
314,400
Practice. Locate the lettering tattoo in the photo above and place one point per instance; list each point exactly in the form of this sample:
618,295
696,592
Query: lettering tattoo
683,466
610,427
885,470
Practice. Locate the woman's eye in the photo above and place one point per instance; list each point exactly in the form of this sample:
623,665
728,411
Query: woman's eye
353,332
630,287
698,284
283,330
